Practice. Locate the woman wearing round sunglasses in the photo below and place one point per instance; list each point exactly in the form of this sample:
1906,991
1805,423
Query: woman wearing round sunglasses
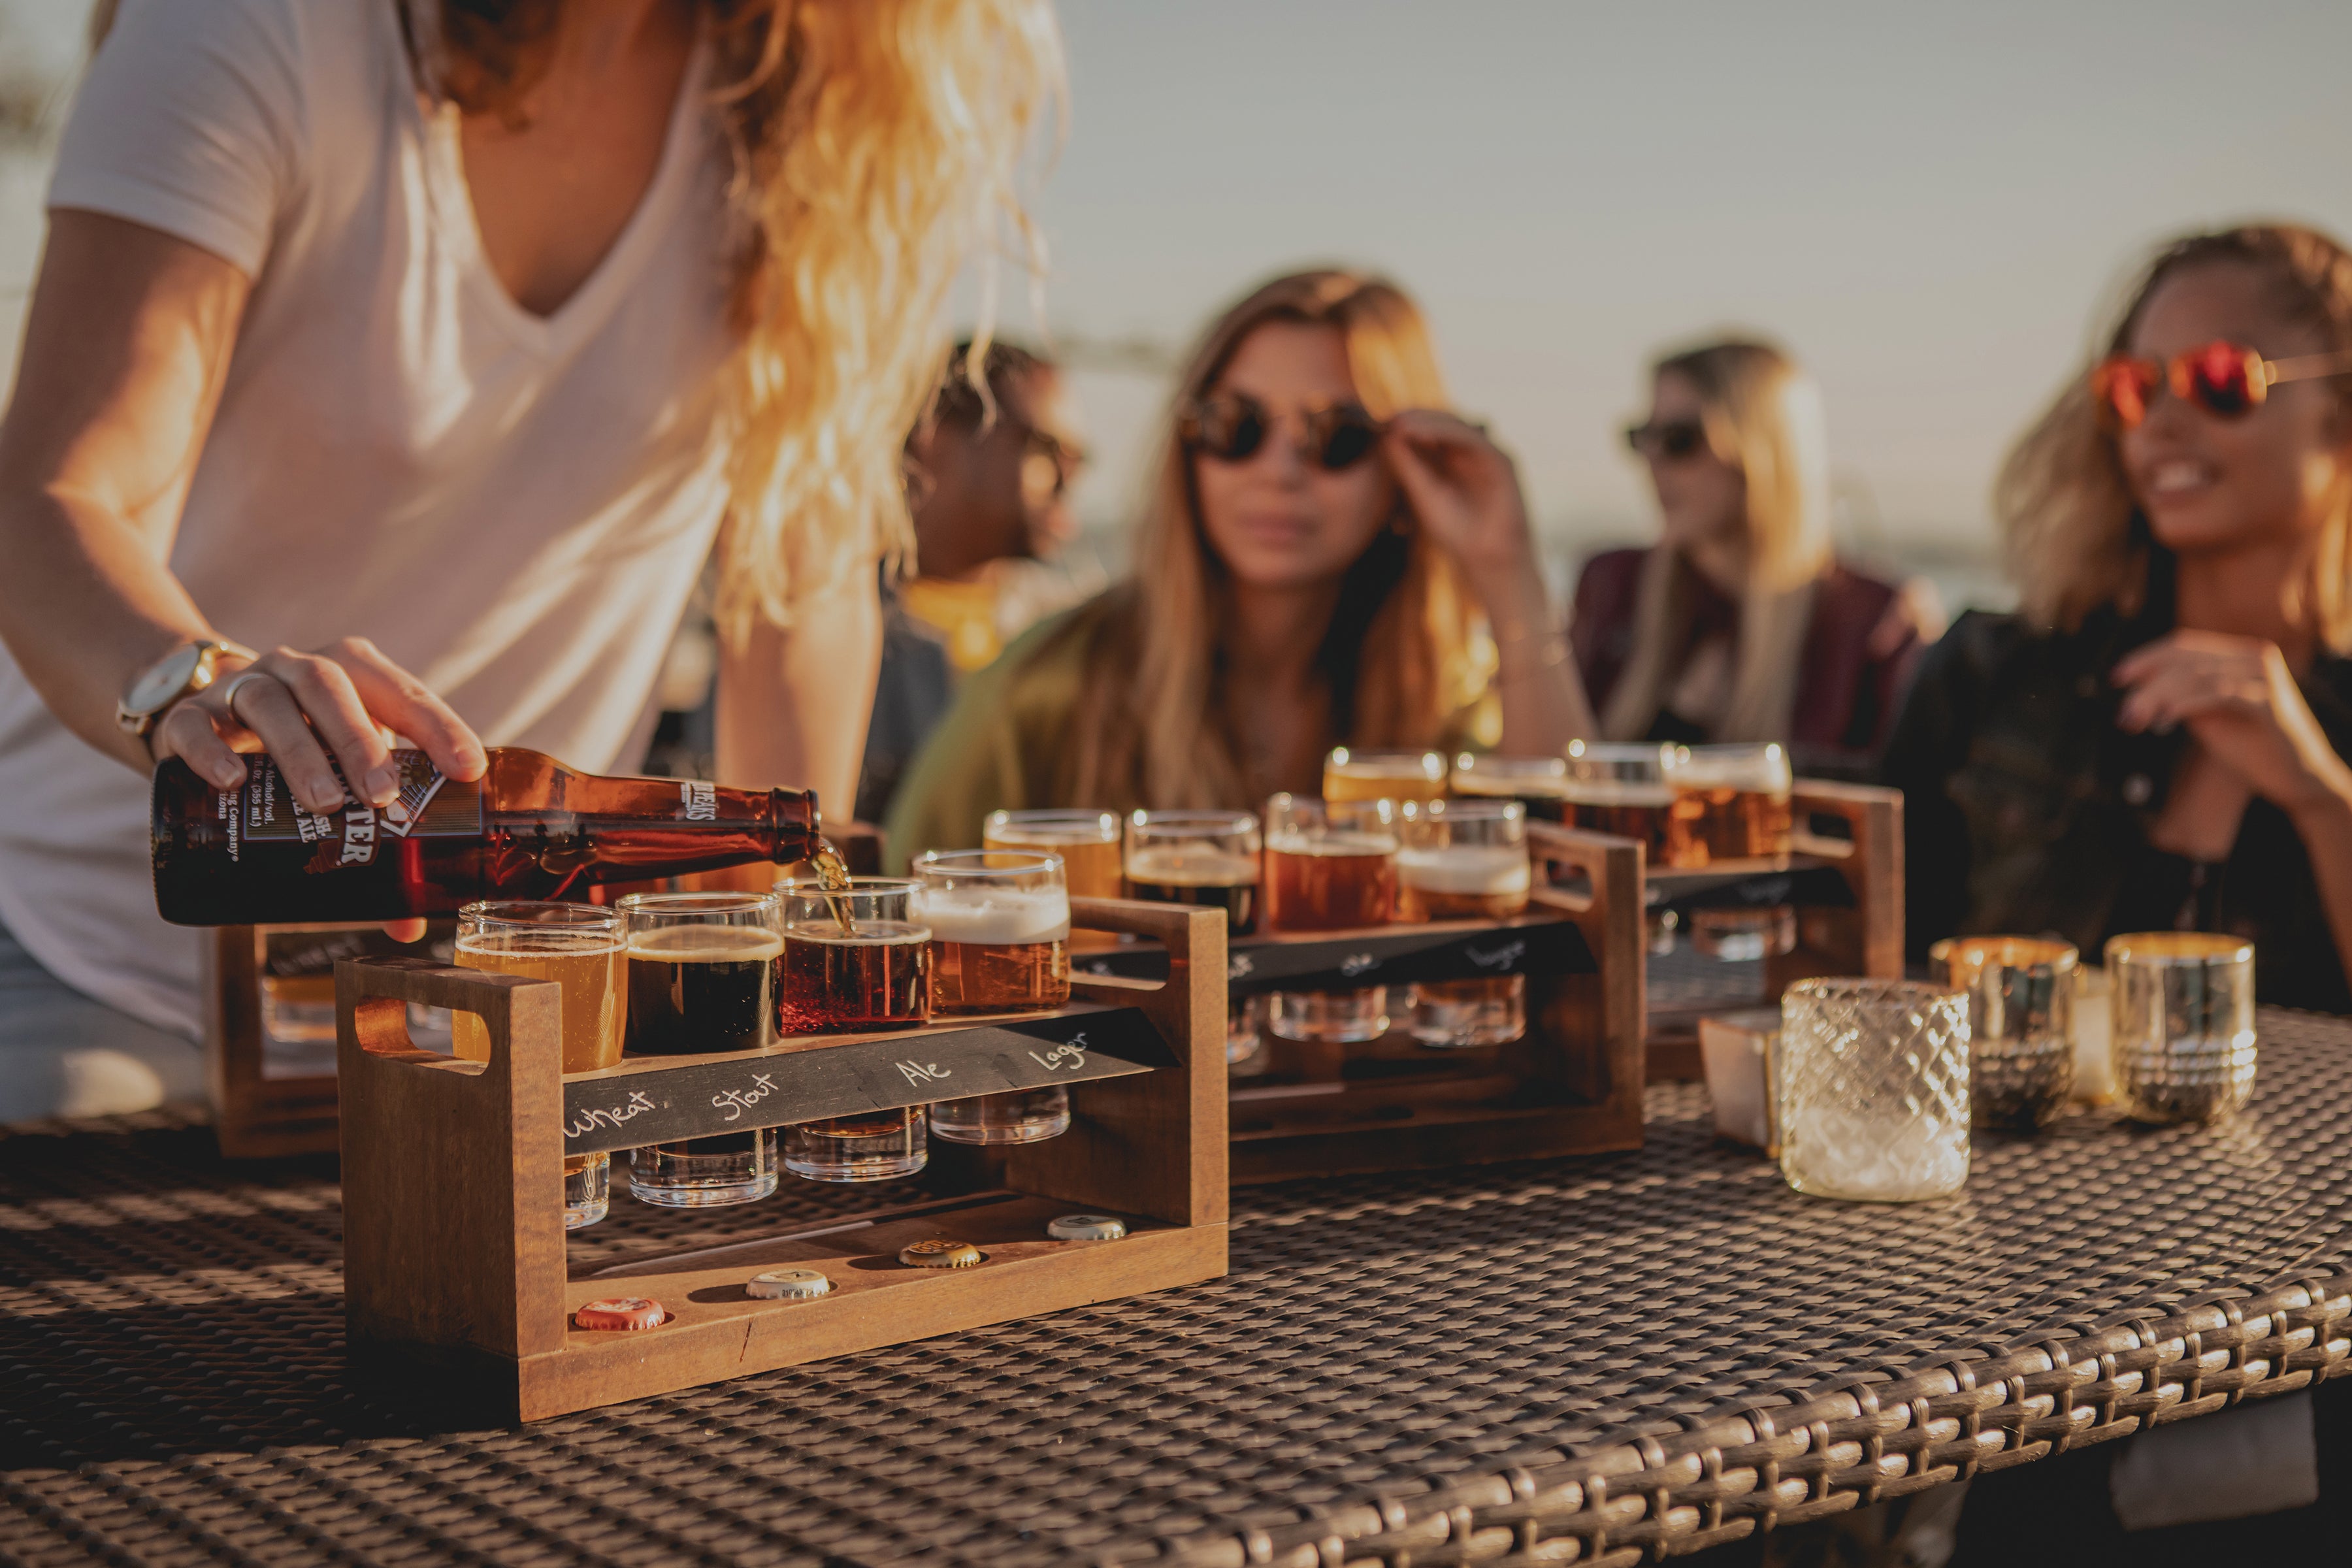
1318,546
1739,625
2157,738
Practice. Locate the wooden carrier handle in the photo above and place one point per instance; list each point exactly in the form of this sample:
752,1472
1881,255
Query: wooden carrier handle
1612,1007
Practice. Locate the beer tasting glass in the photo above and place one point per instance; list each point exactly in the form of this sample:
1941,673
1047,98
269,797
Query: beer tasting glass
1463,860
1383,775
2181,1023
1329,866
1731,804
1000,925
1087,842
1209,859
1619,787
2020,992
853,963
1538,783
579,947
1871,1082
701,979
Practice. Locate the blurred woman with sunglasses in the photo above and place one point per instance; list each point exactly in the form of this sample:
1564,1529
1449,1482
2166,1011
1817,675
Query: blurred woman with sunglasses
2156,740
1318,545
1739,625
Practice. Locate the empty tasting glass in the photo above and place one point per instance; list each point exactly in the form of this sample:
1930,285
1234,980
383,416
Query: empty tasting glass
1464,860
1000,924
2181,1022
1087,842
2020,992
1209,859
1731,804
578,946
853,963
701,979
1329,867
1383,775
1871,1082
1538,783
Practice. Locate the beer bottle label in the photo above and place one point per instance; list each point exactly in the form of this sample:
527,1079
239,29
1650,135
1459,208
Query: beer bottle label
425,805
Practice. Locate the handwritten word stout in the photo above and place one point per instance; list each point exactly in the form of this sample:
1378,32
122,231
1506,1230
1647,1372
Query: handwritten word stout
739,1101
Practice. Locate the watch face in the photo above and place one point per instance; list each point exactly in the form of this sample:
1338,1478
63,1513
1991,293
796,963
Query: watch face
165,680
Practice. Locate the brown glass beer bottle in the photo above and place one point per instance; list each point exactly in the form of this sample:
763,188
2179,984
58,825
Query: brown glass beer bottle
528,828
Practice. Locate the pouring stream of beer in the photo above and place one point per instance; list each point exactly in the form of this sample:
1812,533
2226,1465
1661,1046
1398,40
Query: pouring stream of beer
833,878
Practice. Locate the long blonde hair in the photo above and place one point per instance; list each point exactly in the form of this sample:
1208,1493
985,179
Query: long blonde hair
1151,726
1762,415
876,145
2073,536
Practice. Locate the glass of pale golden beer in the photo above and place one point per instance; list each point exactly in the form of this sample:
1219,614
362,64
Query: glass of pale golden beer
1087,842
853,962
1355,775
578,946
1329,866
1538,783
1209,860
1000,925
1464,860
702,979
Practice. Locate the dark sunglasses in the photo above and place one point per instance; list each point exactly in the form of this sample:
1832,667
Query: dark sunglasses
1675,438
1233,426
2222,378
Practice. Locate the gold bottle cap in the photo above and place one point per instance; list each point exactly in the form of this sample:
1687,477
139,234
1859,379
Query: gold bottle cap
788,1284
939,1253
1087,1228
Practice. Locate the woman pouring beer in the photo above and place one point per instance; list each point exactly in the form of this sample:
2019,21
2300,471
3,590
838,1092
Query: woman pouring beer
424,345
1320,545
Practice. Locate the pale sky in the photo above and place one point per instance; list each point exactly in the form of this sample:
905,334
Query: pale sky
1927,202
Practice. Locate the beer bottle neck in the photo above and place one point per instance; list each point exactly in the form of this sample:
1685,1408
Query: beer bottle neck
789,819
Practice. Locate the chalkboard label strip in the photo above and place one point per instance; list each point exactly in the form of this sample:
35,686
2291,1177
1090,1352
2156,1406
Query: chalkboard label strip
1399,955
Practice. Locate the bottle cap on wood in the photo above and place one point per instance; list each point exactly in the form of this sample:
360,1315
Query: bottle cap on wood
939,1253
1087,1228
622,1312
790,1284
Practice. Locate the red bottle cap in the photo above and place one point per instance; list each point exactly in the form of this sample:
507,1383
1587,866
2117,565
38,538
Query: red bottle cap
622,1312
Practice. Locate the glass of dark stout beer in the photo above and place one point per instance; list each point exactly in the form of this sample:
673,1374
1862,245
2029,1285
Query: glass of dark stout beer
579,947
853,963
701,980
1538,783
1209,859
1464,860
1329,866
1732,802
1000,924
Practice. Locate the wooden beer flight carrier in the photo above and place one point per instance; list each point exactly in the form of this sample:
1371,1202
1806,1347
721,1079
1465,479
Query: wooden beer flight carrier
1571,1085
1843,880
454,1255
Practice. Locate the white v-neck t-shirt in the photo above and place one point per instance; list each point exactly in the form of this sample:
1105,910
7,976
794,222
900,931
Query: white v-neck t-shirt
515,507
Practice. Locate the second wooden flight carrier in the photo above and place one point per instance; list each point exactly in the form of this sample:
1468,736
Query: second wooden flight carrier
455,1267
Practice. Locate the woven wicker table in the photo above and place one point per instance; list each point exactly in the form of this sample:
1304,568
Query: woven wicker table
1579,1361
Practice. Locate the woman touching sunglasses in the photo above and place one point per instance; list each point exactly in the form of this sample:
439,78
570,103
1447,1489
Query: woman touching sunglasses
2157,740
1318,546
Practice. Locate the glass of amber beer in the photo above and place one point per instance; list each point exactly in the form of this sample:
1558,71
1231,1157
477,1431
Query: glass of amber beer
1619,788
1732,803
579,947
853,962
1355,774
1209,859
1087,842
1464,860
1329,866
702,979
1538,783
1000,925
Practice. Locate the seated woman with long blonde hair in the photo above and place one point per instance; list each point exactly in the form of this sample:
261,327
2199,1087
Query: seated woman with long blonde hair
1320,543
1740,624
2157,740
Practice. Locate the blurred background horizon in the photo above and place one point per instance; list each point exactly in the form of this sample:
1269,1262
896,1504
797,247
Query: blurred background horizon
1933,210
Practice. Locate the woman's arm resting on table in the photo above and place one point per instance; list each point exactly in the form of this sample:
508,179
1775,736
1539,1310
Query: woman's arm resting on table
125,348
792,704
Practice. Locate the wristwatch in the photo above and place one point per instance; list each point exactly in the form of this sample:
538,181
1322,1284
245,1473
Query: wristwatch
183,672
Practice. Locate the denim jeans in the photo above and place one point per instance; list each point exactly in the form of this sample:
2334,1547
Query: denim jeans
62,1054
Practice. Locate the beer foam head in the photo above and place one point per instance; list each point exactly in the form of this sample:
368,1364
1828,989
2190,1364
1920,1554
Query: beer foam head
1617,792
1480,871
863,933
1332,843
706,944
993,916
1190,865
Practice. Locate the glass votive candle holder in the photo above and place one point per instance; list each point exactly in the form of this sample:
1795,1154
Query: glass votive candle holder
2020,992
1873,1090
2182,1023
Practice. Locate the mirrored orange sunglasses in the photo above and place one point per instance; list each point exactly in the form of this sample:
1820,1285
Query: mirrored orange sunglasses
2224,379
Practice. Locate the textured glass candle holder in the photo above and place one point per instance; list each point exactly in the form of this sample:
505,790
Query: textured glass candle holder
1873,1089
2181,1021
2020,992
